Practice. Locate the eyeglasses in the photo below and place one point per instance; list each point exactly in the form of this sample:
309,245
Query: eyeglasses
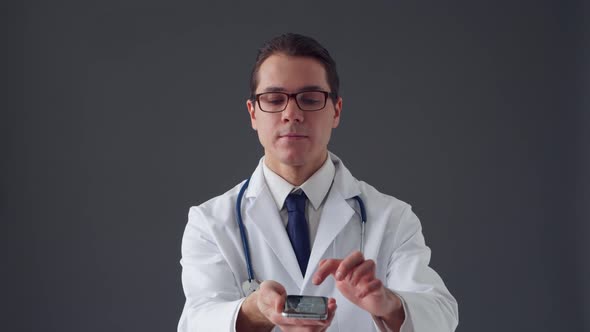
309,101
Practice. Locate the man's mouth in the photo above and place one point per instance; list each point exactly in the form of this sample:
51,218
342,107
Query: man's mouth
293,136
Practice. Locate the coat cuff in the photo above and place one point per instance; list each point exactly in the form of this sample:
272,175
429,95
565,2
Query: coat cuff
380,325
212,317
427,313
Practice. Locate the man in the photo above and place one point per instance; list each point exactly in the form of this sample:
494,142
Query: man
303,225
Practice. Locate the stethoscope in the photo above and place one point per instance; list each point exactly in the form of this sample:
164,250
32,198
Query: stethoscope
252,284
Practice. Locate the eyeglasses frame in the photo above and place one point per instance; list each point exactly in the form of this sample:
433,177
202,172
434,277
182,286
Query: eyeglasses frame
327,94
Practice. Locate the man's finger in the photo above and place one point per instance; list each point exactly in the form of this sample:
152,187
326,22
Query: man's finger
329,266
279,304
273,285
331,309
370,287
284,321
366,268
349,263
273,294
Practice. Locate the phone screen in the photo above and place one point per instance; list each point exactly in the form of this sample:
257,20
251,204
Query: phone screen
313,307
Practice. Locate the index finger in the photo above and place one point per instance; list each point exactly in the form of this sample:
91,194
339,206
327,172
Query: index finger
348,264
327,267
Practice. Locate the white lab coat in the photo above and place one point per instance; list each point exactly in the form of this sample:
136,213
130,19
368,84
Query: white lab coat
214,265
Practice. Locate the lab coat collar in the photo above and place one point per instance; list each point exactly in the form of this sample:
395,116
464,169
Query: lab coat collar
344,182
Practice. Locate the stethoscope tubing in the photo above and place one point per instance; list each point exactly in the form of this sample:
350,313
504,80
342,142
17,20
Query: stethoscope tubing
243,230
363,222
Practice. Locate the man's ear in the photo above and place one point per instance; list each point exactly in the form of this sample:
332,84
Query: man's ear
337,111
251,110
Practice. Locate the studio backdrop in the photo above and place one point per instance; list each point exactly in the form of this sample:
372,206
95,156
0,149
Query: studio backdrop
473,112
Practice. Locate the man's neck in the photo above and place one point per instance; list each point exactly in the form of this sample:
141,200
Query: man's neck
296,175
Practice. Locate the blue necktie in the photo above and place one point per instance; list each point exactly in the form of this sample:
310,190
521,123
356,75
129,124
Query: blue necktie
297,229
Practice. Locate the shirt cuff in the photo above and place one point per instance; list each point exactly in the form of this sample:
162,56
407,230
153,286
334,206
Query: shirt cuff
235,318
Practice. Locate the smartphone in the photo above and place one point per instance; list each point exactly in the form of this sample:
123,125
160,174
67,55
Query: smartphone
306,307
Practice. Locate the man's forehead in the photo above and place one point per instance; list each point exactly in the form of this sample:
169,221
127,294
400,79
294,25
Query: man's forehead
275,88
288,73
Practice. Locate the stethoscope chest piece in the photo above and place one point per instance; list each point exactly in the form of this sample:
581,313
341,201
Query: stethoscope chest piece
250,286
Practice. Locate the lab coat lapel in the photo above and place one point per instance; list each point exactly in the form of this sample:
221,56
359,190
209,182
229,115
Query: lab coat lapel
262,212
336,213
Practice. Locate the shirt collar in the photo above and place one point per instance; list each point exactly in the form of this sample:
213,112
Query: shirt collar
315,188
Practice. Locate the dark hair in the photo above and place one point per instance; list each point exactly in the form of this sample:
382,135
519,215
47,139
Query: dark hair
293,44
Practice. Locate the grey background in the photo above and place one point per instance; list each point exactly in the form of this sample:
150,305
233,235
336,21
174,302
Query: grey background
126,113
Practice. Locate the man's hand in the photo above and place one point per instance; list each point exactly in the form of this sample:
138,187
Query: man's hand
355,279
264,308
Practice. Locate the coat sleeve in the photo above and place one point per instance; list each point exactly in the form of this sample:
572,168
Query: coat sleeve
428,304
212,295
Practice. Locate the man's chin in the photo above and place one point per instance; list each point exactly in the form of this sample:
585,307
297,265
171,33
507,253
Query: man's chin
293,158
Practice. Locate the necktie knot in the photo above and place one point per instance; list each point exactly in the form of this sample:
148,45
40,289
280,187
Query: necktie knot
295,202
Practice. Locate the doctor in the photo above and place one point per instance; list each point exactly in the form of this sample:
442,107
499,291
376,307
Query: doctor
302,222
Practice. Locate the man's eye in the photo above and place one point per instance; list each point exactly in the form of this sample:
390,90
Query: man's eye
309,101
276,101
272,99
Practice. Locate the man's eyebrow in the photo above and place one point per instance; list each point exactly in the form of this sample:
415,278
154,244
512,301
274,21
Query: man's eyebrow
274,89
304,88
311,88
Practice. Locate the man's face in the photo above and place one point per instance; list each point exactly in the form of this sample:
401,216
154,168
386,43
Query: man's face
293,137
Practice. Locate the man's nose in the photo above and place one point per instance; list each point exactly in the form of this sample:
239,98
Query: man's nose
292,112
